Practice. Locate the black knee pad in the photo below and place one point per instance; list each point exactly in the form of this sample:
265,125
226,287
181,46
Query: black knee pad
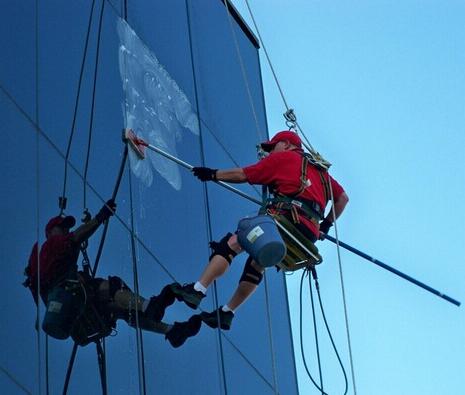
222,248
116,284
250,274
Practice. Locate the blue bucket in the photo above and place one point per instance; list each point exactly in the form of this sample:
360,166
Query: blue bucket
64,305
260,237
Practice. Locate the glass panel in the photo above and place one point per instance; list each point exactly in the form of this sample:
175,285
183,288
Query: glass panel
170,221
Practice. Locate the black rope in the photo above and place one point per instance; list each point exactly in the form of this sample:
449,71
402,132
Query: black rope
139,337
92,109
141,242
102,366
315,330
37,113
302,341
76,105
105,226
317,286
70,368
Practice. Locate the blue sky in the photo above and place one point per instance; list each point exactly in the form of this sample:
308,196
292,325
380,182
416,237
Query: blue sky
378,88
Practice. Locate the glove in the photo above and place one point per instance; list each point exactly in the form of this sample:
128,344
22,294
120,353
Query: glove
106,211
205,173
325,225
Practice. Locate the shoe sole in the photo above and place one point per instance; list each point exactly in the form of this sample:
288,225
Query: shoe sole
213,323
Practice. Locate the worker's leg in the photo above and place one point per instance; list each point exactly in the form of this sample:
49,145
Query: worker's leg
220,259
223,253
248,283
118,299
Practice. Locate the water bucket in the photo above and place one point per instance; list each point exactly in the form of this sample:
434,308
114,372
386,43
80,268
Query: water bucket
260,237
64,304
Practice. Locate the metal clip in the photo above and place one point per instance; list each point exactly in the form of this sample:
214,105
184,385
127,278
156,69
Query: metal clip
86,216
291,119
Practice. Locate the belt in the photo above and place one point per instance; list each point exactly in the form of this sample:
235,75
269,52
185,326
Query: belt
308,207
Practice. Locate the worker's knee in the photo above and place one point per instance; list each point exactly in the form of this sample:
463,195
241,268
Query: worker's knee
251,273
224,249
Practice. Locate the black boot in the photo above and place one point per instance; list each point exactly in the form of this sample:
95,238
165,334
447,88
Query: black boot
211,319
181,331
158,304
187,294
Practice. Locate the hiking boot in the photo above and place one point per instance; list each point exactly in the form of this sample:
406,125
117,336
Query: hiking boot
211,319
187,294
181,331
158,304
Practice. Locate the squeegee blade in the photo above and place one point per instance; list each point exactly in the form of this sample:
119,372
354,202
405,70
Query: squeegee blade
135,143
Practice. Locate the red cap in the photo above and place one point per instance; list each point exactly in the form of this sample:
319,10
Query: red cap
64,222
285,135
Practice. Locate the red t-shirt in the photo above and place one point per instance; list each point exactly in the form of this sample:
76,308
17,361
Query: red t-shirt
282,172
58,256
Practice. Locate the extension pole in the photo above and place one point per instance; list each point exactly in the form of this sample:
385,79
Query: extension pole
332,239
190,167
392,270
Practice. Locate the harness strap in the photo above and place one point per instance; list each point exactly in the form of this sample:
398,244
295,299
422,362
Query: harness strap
310,208
326,187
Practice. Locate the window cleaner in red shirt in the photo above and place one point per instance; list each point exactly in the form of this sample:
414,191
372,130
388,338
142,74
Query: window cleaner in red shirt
282,172
69,293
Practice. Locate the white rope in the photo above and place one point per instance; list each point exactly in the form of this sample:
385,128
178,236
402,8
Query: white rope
341,277
260,135
307,143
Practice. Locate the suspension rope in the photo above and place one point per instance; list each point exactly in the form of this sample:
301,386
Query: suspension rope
317,287
139,337
243,71
315,331
302,339
38,332
341,278
94,90
76,105
205,194
309,145
120,220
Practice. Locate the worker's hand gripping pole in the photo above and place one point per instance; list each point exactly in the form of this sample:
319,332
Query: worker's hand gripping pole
137,143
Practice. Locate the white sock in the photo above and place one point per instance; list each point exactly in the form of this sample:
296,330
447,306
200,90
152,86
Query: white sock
200,287
226,308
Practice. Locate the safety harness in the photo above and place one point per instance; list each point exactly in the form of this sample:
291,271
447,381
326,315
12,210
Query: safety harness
286,209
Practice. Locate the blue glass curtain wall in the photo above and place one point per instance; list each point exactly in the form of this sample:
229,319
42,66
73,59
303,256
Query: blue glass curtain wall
215,64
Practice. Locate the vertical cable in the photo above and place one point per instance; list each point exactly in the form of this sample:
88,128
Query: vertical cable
315,330
205,189
76,105
243,71
94,88
309,147
139,338
304,360
37,109
270,334
341,278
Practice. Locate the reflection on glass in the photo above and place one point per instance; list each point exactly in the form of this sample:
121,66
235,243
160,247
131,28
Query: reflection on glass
154,107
